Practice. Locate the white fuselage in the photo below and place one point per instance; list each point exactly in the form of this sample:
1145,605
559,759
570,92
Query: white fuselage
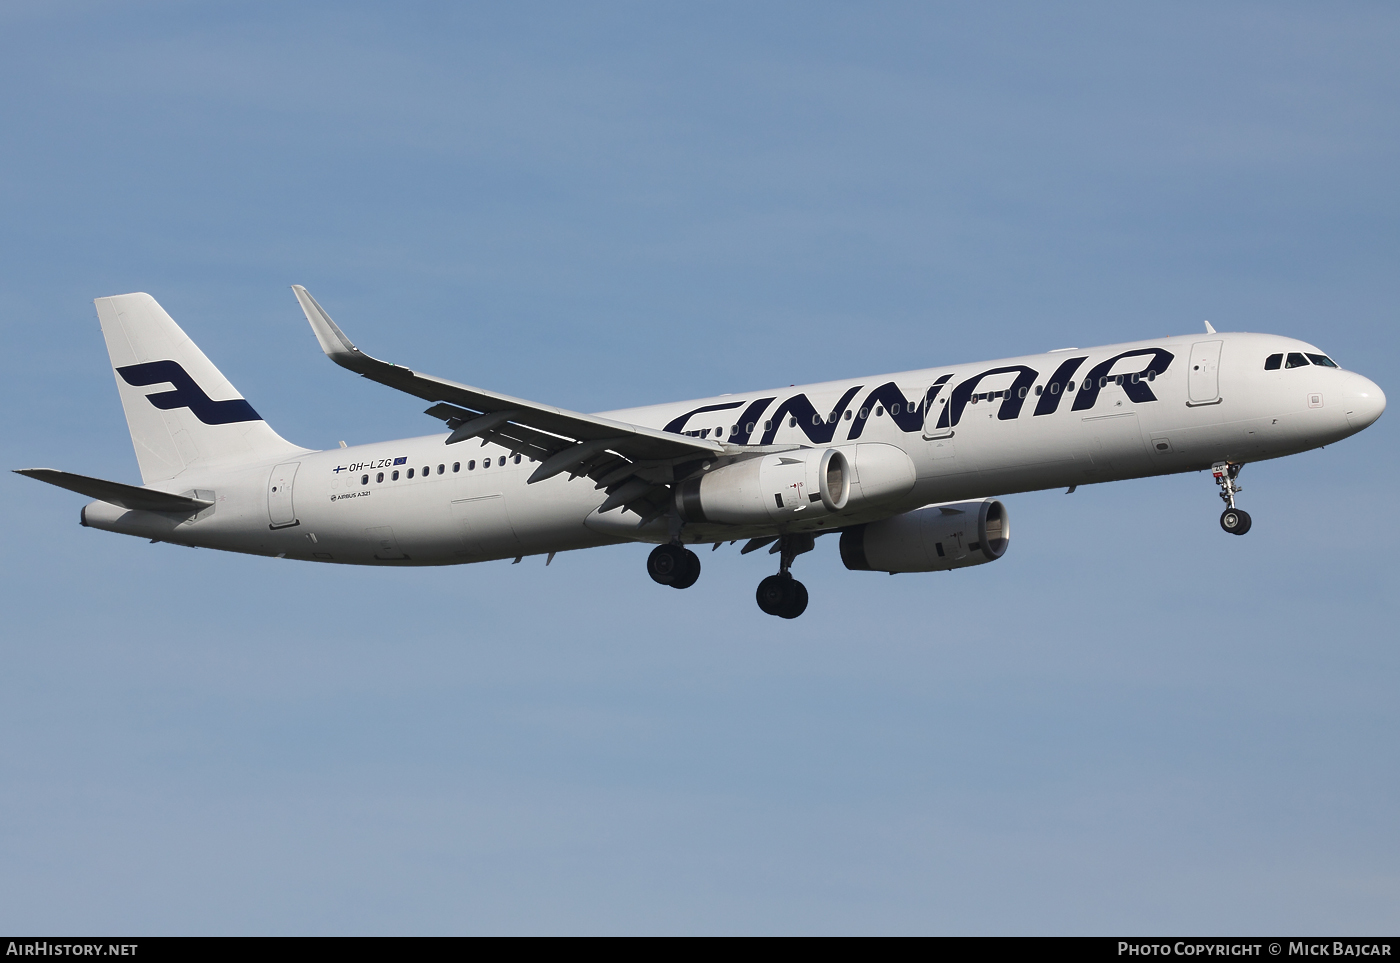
1196,401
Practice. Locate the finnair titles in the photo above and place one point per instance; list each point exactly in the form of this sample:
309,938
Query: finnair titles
903,467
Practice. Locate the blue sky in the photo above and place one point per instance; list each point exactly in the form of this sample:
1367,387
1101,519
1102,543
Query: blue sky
1130,723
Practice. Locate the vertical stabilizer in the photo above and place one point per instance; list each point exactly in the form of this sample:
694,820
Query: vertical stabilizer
181,410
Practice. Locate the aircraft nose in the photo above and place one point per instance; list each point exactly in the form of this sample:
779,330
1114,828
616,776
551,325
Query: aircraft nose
1364,402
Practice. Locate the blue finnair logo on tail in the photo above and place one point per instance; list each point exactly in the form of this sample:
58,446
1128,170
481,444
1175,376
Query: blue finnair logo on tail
187,394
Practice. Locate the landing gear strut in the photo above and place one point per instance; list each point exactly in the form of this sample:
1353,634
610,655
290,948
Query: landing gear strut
673,565
781,594
1234,520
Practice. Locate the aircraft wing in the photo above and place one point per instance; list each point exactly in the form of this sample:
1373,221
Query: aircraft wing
607,451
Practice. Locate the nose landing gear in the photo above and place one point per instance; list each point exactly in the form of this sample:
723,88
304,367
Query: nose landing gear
781,594
1234,520
674,566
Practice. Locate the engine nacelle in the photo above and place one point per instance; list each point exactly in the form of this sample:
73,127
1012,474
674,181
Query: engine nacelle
879,473
792,484
932,539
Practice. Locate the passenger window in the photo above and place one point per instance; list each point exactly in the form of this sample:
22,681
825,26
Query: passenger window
426,472
378,478
1037,390
502,462
364,479
1296,360
1322,360
410,473
440,469
517,459
471,465
485,463
456,466
1273,362
848,415
395,477
1070,386
792,422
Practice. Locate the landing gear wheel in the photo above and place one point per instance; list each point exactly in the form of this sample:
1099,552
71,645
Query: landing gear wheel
1236,521
798,605
772,593
783,596
667,563
687,576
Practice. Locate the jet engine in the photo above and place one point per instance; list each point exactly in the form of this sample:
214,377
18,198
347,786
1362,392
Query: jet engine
879,473
932,539
781,487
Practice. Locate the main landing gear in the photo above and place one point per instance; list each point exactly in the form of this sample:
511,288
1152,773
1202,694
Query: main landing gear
781,594
1234,520
673,565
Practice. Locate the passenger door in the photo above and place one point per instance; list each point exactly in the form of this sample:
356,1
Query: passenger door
281,513
1203,374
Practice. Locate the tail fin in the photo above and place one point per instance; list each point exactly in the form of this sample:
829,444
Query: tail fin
179,424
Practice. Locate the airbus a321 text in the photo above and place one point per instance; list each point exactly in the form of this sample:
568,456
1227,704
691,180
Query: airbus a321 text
903,466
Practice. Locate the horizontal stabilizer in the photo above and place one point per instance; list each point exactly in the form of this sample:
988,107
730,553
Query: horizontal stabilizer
123,496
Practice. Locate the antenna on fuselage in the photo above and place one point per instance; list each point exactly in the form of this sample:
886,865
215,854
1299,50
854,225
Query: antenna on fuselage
1209,329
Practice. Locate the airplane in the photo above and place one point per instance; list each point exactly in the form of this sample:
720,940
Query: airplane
906,468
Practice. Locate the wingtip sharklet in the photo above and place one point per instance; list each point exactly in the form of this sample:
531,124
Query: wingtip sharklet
333,340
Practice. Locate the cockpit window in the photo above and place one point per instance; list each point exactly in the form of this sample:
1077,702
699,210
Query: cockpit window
1272,362
1296,360
1323,360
